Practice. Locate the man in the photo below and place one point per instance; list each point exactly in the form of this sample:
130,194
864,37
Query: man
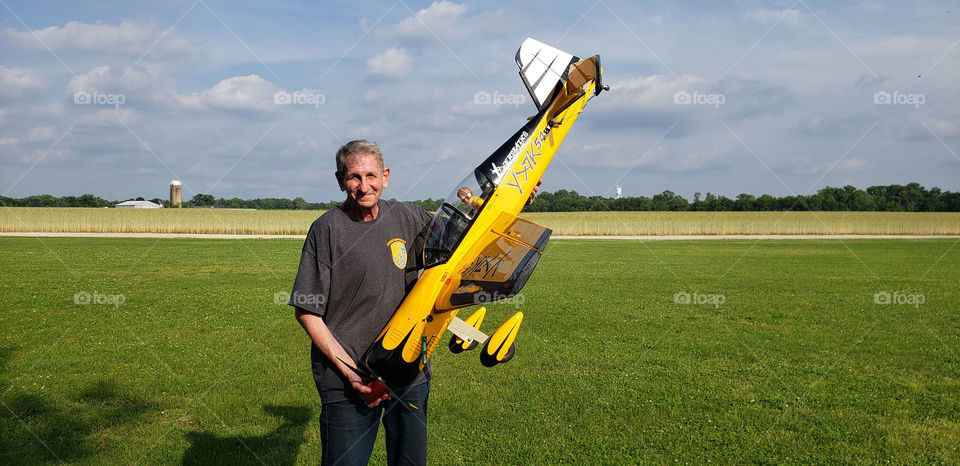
353,275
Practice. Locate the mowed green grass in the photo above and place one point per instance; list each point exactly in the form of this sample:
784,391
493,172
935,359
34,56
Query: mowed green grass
198,364
297,222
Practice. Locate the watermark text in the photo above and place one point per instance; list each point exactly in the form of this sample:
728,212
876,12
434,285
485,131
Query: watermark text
699,98
896,98
96,98
85,297
885,298
683,297
498,99
296,98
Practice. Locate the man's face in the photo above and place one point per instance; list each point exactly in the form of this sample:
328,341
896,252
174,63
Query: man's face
363,181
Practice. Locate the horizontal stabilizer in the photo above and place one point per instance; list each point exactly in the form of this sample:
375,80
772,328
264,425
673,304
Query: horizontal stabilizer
465,331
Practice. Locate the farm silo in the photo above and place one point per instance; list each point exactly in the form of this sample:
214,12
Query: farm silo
176,193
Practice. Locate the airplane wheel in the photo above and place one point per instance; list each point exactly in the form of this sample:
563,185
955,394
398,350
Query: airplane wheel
455,348
491,360
458,348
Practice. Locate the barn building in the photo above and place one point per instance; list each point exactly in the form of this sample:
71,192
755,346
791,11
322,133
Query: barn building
138,205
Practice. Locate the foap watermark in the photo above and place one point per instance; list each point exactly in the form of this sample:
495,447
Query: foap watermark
683,297
699,98
84,298
298,98
498,99
96,98
896,98
299,299
884,298
483,297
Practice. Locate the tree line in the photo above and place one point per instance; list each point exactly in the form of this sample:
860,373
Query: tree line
893,198
207,200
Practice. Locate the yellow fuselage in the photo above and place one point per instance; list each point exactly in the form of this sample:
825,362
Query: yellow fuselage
418,319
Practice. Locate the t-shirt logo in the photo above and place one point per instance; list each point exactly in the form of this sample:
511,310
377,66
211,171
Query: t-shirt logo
398,249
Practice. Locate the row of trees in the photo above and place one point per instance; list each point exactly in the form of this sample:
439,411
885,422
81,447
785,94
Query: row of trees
47,200
207,200
894,198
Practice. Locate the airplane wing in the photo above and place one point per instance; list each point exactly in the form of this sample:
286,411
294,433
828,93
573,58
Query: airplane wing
499,265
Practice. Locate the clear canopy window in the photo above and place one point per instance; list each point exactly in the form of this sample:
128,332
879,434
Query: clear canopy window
454,217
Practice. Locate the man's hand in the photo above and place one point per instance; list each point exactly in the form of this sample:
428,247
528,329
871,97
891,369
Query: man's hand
378,394
330,347
373,392
533,193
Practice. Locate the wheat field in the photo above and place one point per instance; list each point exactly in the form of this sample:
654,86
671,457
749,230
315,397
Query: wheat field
295,222
748,223
213,221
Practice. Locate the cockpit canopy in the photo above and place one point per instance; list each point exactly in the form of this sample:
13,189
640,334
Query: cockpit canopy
454,217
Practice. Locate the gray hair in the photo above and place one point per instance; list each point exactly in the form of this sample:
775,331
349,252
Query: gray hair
356,147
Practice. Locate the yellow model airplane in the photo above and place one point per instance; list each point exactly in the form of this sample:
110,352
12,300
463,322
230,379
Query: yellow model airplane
476,250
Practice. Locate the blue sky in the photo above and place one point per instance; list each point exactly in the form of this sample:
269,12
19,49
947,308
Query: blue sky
766,97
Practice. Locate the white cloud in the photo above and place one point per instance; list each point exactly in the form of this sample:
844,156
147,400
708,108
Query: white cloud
902,46
40,134
392,63
852,164
300,147
18,82
659,157
692,101
249,92
473,110
54,110
712,157
363,131
373,96
790,16
806,165
440,18
656,91
47,154
144,77
146,84
943,128
143,85
109,117
125,38
9,141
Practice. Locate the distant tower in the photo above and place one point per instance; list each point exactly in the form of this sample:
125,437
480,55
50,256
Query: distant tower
619,191
176,193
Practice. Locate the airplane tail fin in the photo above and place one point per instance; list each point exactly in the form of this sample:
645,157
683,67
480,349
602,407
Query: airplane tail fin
542,67
545,70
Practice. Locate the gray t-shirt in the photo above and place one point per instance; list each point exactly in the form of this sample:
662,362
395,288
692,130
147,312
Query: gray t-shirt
354,275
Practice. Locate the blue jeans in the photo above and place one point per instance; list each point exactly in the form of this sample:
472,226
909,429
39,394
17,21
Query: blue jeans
348,429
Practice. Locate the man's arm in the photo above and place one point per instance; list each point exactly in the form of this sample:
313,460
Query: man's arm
330,347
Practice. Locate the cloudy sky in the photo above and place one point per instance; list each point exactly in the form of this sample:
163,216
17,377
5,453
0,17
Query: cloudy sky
757,97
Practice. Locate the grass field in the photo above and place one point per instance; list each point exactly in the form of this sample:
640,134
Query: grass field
631,351
219,221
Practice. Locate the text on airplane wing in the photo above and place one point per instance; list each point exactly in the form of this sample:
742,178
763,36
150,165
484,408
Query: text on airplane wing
499,264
